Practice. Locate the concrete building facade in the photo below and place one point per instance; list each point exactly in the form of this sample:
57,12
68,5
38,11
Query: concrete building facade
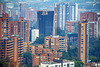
35,34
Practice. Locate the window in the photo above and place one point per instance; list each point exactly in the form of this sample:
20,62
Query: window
81,37
82,25
55,65
67,65
81,51
64,65
81,41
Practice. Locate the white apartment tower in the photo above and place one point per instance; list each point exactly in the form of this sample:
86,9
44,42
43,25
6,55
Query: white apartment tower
35,34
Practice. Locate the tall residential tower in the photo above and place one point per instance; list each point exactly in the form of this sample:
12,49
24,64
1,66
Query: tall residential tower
83,46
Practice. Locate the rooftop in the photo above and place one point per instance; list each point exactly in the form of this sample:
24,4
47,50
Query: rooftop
52,62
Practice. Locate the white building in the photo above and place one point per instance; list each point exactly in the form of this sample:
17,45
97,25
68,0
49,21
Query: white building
65,12
35,34
73,12
66,63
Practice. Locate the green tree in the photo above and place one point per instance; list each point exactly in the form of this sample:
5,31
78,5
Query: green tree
5,62
94,58
70,54
24,65
60,32
78,64
27,59
94,49
39,40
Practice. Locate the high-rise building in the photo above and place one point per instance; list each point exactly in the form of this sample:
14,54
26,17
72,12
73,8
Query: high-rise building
22,8
56,43
71,27
12,47
90,16
20,27
65,12
61,14
83,41
73,14
4,26
35,34
2,8
45,22
94,29
30,14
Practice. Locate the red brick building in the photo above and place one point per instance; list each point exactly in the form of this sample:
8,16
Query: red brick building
12,47
90,16
38,49
71,26
35,60
4,26
46,51
44,55
56,43
32,49
20,27
2,8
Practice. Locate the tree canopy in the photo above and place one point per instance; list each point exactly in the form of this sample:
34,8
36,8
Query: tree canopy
60,32
39,40
94,49
27,62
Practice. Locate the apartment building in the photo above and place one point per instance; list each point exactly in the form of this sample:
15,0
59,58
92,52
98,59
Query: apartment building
90,16
32,49
4,26
83,42
12,47
56,43
20,27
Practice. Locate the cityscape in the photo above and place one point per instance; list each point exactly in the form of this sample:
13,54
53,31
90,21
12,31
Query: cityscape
49,33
